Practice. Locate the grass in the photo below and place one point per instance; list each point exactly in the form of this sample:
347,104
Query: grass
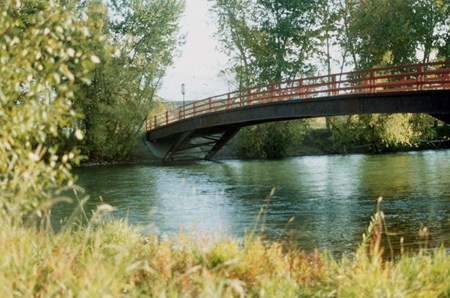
112,259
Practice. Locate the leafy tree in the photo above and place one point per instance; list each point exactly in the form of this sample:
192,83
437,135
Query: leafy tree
443,41
383,32
267,40
432,23
238,37
290,37
38,45
381,132
394,32
141,39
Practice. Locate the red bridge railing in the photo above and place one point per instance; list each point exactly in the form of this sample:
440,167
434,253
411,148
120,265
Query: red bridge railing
412,77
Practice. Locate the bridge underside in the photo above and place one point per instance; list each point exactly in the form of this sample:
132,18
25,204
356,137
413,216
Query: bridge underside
199,144
201,137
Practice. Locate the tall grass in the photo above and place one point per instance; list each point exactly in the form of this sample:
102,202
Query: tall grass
109,258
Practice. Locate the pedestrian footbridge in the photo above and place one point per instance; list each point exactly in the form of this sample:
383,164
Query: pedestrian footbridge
198,130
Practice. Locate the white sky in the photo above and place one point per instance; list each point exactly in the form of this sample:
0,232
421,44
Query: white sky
200,62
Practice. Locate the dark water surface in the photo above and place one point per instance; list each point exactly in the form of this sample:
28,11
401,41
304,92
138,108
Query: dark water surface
331,198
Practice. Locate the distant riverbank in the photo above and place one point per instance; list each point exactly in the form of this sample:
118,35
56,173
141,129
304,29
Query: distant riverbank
316,142
320,142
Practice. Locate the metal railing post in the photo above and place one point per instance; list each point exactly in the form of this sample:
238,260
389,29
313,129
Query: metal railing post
272,93
420,78
301,91
372,81
333,85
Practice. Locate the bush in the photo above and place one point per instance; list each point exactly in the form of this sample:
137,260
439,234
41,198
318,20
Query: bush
271,140
38,49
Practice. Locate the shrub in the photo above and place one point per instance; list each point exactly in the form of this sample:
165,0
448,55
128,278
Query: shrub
38,49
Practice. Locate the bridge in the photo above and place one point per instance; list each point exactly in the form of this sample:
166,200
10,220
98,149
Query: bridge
198,130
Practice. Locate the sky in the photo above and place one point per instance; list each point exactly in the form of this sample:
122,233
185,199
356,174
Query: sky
199,62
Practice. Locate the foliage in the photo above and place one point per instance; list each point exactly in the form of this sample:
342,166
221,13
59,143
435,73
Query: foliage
330,28
394,32
432,24
383,32
444,41
238,37
346,131
141,38
110,258
38,47
271,140
267,40
381,132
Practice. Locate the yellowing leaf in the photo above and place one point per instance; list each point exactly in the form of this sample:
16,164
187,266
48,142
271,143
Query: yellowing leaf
95,59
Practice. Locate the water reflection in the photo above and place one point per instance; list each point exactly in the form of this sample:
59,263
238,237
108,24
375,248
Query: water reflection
330,197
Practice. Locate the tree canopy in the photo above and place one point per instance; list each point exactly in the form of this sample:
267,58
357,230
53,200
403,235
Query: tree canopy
140,40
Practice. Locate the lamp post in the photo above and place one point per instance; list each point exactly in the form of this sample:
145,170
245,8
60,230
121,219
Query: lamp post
183,91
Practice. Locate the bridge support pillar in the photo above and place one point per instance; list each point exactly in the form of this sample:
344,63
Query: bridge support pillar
227,136
183,137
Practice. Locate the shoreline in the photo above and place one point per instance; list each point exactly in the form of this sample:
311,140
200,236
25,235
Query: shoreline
140,161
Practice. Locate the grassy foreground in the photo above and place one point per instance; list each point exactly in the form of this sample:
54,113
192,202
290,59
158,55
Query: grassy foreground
112,259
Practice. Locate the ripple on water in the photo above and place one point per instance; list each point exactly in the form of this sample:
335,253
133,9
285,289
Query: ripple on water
331,198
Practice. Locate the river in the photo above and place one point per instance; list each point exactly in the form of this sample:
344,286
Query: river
320,201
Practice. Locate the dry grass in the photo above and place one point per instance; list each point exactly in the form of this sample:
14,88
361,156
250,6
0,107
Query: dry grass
112,259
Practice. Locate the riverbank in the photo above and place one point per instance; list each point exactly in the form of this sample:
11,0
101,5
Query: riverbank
319,141
111,258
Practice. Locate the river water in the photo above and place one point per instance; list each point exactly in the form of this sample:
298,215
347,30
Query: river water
320,201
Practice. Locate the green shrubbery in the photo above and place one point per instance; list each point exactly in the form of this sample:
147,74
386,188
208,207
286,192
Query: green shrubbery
271,140
38,52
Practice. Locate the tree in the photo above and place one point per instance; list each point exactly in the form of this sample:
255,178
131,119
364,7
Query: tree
432,23
273,40
444,33
383,32
329,22
141,37
394,32
239,38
